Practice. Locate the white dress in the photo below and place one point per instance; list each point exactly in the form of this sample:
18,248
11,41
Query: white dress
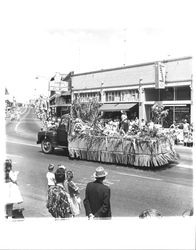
11,191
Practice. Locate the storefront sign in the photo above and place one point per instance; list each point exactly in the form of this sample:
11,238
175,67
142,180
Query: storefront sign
58,86
182,109
159,75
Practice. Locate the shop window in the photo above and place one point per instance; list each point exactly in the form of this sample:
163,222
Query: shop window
122,96
86,96
183,93
167,94
109,96
117,96
182,112
152,94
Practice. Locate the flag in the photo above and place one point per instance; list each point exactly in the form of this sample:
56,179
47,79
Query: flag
6,91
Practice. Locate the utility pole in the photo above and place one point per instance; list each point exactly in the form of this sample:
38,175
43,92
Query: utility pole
140,101
125,45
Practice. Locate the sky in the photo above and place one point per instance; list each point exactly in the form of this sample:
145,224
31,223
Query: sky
40,38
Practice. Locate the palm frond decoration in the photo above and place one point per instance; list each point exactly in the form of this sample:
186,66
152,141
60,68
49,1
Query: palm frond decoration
145,148
159,113
129,152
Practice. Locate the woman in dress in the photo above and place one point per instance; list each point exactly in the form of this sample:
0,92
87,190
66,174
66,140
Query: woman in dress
58,203
12,192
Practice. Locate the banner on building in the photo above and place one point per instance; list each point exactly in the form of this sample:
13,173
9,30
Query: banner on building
159,75
58,86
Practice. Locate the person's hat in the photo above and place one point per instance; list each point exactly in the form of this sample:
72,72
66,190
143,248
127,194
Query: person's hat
50,166
100,172
62,166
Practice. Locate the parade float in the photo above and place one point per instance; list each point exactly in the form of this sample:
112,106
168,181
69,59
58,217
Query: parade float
89,139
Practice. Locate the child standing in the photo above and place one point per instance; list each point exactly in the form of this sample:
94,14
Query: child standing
73,190
50,176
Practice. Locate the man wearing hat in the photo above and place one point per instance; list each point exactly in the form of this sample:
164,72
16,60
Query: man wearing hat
97,196
62,166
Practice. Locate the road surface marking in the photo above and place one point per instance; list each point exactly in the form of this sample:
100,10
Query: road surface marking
20,121
139,176
23,143
11,155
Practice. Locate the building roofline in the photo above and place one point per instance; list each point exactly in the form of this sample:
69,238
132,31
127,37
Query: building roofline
133,66
177,59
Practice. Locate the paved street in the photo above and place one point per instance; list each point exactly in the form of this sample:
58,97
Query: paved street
132,190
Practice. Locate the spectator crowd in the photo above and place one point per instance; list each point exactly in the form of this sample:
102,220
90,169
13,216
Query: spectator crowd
63,195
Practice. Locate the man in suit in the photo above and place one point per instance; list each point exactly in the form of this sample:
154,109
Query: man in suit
97,196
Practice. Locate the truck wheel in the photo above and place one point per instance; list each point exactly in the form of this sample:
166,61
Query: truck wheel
47,147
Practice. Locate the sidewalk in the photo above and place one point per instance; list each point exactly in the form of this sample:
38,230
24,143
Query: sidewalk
186,156
183,148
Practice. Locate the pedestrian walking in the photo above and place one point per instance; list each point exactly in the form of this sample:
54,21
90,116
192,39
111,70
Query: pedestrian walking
12,192
50,175
97,196
58,202
74,192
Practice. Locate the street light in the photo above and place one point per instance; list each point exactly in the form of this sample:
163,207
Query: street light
140,90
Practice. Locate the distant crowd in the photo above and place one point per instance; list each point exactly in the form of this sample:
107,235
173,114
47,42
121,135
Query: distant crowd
187,133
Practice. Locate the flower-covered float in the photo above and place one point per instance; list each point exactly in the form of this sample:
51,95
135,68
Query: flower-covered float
90,138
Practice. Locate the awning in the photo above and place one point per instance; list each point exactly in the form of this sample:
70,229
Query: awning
108,107
63,93
125,106
174,105
116,106
60,105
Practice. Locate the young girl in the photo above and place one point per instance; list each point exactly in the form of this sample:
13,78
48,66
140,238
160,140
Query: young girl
12,192
74,194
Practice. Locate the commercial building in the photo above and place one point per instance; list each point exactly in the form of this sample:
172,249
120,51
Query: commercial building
60,94
136,88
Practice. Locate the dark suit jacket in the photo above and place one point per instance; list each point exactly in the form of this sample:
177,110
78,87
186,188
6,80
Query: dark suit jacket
97,199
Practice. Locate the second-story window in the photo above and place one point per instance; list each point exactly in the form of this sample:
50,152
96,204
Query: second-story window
109,96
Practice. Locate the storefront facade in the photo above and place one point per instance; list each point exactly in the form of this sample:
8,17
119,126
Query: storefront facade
60,94
136,88
60,104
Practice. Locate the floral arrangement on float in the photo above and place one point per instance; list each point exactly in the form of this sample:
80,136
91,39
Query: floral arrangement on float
89,139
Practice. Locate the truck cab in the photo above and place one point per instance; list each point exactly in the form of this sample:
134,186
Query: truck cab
54,137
